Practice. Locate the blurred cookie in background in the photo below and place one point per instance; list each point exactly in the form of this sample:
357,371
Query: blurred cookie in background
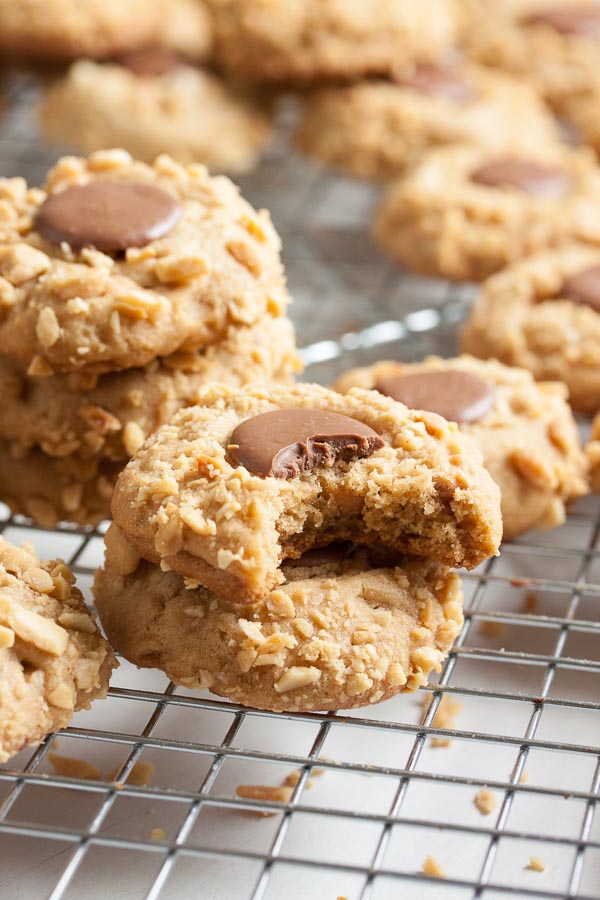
151,102
375,129
311,40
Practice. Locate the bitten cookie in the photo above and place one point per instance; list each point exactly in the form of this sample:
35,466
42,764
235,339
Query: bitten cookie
343,630
375,129
309,40
553,43
109,416
153,102
53,659
543,314
250,477
42,30
463,213
51,489
525,431
178,258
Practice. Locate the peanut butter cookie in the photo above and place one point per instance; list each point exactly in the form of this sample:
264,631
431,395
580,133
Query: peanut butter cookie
592,450
116,262
375,129
525,430
543,314
250,477
53,659
309,40
463,213
342,630
151,103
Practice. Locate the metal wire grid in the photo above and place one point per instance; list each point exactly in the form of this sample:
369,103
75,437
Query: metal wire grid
526,669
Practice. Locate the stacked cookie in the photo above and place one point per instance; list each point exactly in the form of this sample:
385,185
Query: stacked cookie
291,548
124,289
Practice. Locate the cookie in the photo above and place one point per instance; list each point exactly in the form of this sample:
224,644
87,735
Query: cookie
55,30
462,213
338,633
543,314
579,112
525,430
50,490
111,415
310,40
375,129
249,477
53,659
552,43
179,257
151,103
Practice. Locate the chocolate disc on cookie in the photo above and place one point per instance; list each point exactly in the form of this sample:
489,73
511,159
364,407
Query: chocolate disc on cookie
582,20
446,82
584,288
108,215
523,175
457,396
286,442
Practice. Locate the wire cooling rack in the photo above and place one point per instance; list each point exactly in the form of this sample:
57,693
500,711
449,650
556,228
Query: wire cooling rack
375,791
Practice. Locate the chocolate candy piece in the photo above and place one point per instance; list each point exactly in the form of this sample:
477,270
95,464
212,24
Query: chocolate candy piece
529,177
457,396
151,62
584,288
582,20
322,556
438,81
108,215
286,442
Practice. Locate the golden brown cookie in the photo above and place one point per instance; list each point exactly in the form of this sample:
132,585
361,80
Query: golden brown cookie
337,633
309,40
553,43
525,430
172,108
111,415
375,129
49,30
543,314
179,257
249,477
463,213
53,659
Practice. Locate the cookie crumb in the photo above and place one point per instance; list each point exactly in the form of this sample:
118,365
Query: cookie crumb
524,777
445,717
140,776
432,867
157,834
273,793
531,602
71,767
536,864
485,801
492,629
